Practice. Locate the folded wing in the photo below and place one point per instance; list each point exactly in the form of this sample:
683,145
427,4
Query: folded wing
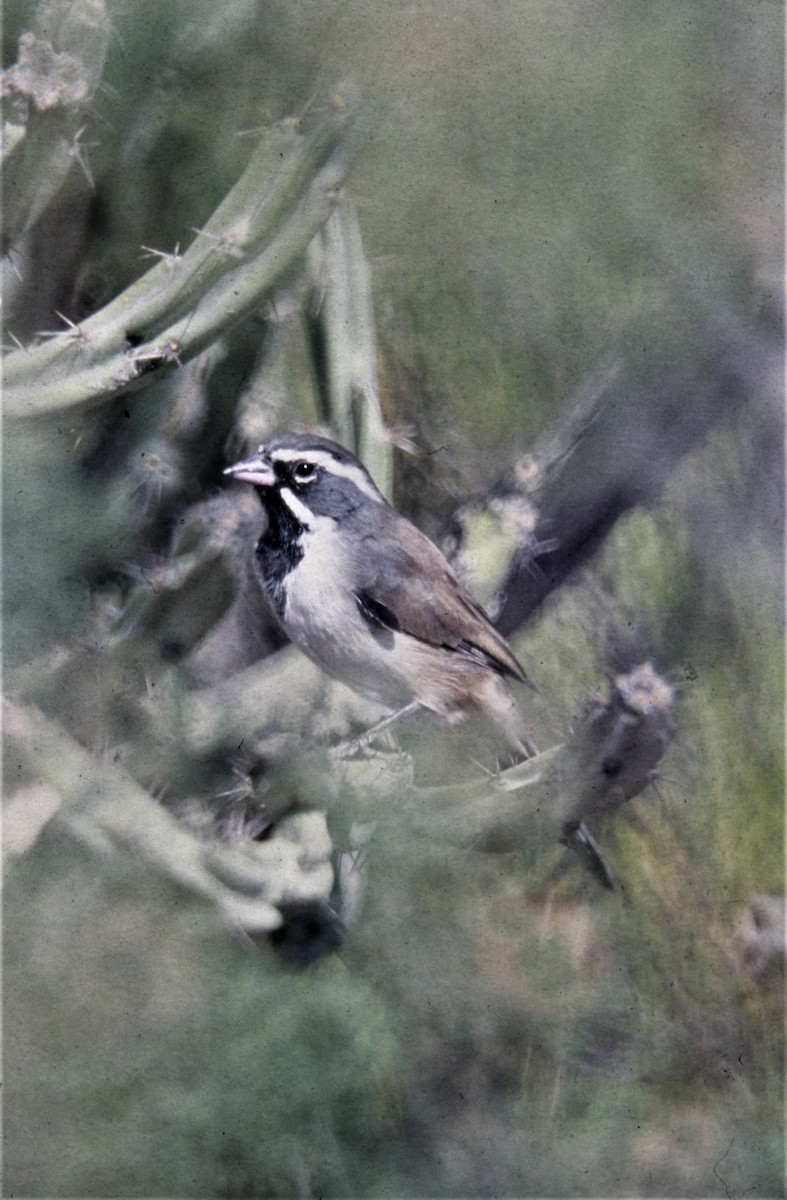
402,582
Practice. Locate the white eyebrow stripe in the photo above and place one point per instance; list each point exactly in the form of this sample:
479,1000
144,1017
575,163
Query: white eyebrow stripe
323,458
356,475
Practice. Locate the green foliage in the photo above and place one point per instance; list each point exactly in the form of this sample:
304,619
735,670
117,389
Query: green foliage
181,1061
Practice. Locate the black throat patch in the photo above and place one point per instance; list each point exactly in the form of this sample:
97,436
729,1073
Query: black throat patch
279,549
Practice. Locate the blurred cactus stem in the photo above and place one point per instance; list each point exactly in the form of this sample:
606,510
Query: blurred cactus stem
254,238
106,809
47,93
608,760
344,324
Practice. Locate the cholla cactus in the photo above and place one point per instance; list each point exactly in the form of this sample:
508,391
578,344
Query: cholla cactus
47,92
186,301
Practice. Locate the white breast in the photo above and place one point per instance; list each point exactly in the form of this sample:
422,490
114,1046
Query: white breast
322,618
318,603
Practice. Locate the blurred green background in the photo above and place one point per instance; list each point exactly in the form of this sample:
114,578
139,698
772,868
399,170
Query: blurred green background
540,182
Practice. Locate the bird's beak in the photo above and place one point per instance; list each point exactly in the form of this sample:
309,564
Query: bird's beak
258,471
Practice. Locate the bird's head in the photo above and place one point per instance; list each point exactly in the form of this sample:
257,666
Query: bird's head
310,476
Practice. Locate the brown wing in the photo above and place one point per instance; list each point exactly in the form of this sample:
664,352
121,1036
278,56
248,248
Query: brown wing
402,581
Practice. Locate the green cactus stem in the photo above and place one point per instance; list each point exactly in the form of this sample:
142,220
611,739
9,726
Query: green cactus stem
47,94
183,303
345,325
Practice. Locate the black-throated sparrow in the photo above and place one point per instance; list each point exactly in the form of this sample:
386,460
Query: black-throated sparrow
367,596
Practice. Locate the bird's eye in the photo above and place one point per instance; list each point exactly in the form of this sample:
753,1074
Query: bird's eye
304,471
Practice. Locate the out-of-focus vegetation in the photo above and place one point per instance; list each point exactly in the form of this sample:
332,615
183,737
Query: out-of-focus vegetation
546,192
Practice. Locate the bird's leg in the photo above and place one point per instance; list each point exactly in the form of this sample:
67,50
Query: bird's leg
353,745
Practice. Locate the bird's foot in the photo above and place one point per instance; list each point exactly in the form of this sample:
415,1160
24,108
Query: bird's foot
363,742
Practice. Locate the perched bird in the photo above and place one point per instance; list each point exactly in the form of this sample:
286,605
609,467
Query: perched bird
367,596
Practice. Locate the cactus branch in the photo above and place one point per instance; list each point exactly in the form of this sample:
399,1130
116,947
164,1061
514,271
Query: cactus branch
47,91
345,326
186,301
609,759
